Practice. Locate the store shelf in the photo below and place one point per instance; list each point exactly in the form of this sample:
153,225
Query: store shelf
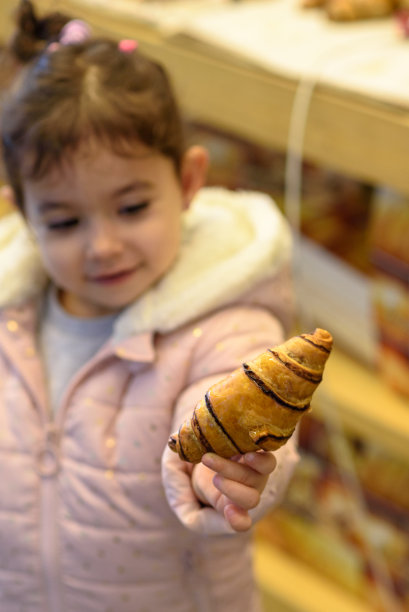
362,401
288,585
5,207
354,133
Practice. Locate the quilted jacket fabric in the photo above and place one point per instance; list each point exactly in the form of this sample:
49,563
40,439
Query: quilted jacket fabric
96,514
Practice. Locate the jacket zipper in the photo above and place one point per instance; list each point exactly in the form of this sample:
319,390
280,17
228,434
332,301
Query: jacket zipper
48,463
48,469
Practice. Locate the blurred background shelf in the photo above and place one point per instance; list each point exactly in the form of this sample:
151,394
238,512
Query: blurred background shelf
359,134
287,585
224,85
365,403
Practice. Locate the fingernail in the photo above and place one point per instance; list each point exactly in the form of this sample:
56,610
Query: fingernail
209,459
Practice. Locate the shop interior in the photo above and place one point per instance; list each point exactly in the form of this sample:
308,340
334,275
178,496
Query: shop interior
311,106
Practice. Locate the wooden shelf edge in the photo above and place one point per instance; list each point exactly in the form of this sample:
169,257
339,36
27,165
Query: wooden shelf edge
364,403
287,585
207,79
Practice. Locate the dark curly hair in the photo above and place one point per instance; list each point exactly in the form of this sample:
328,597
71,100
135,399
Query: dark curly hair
86,91
34,33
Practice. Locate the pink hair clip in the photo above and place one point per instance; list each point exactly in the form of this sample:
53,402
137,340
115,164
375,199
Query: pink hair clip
74,32
127,45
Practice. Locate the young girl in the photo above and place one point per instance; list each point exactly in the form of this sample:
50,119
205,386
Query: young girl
126,291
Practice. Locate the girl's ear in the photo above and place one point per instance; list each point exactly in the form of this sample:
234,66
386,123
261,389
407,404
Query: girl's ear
193,174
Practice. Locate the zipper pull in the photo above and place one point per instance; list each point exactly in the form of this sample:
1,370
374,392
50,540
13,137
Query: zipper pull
48,463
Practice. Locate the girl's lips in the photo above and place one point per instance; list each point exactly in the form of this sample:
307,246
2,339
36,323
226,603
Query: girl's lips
109,279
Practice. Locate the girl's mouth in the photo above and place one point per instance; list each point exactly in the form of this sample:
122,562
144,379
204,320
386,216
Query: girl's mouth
112,279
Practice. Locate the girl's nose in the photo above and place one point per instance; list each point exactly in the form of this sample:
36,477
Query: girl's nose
103,241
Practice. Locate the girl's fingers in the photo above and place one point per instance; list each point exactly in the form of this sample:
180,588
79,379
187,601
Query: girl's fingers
233,486
237,517
251,470
263,463
238,493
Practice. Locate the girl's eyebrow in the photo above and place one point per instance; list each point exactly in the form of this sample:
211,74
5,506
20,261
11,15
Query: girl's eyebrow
134,186
48,205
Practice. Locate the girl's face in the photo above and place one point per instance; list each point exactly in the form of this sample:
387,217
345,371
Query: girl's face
108,227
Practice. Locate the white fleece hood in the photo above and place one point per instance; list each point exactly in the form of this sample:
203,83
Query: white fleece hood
231,242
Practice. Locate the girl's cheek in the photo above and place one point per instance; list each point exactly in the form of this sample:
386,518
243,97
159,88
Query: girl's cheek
56,258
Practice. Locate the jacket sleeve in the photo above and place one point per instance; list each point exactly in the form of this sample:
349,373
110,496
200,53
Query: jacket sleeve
225,340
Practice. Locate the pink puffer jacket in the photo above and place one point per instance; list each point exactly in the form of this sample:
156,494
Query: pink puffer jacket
96,514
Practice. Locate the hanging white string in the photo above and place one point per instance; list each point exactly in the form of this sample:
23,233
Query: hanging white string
338,57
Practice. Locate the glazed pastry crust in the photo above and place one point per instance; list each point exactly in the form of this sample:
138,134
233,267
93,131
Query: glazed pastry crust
258,405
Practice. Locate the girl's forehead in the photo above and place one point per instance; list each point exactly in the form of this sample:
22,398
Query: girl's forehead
89,177
91,149
96,160
96,154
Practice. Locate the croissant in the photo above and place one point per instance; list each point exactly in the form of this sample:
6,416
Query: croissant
259,404
353,10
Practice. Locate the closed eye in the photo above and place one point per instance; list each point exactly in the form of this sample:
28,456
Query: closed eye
64,224
133,209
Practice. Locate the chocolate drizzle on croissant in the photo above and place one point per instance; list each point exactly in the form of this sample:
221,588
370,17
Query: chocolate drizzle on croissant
318,346
263,387
259,404
269,436
196,428
180,447
219,424
294,367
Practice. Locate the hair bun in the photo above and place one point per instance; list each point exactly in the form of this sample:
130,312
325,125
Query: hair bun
32,34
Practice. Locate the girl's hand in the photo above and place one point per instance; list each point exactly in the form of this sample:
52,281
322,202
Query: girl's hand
233,486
